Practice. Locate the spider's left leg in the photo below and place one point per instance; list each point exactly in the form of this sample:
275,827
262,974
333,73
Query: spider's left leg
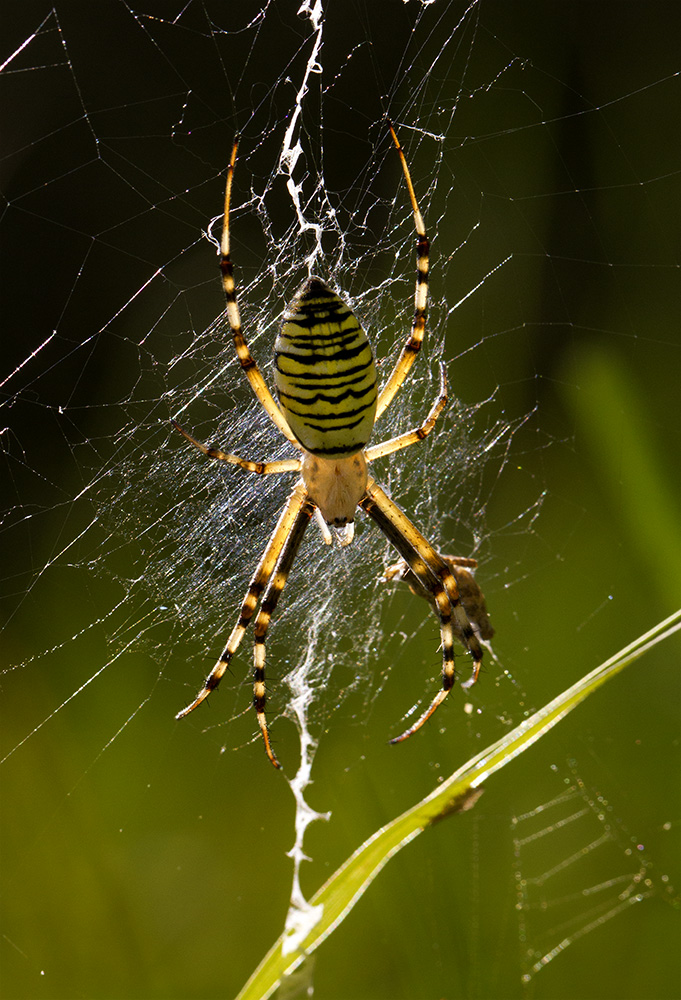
415,339
246,359
436,578
264,468
270,598
265,568
415,435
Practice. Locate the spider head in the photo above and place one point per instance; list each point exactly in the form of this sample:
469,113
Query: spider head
336,485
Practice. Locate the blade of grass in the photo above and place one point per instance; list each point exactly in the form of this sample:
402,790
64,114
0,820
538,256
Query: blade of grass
339,894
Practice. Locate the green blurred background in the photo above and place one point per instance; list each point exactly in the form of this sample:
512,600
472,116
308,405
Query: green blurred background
138,860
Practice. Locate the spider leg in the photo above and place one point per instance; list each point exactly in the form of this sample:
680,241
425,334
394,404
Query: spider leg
264,468
415,339
246,359
418,433
287,520
276,584
437,579
323,527
471,595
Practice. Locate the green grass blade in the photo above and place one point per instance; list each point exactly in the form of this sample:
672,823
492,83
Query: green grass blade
335,899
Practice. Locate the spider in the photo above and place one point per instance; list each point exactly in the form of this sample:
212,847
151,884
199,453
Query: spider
328,404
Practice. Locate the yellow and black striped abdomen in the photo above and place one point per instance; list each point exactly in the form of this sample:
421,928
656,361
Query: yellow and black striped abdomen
325,374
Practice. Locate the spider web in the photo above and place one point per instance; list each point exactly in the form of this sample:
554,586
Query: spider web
554,881
127,555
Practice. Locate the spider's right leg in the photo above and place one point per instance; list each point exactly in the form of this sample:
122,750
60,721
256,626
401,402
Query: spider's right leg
415,339
295,503
415,435
437,579
246,359
472,597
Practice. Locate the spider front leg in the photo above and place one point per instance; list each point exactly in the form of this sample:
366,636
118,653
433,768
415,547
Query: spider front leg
269,602
437,580
259,581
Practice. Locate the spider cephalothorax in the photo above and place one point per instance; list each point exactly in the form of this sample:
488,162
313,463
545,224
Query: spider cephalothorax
328,404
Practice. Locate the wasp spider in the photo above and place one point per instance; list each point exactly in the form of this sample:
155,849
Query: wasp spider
328,404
